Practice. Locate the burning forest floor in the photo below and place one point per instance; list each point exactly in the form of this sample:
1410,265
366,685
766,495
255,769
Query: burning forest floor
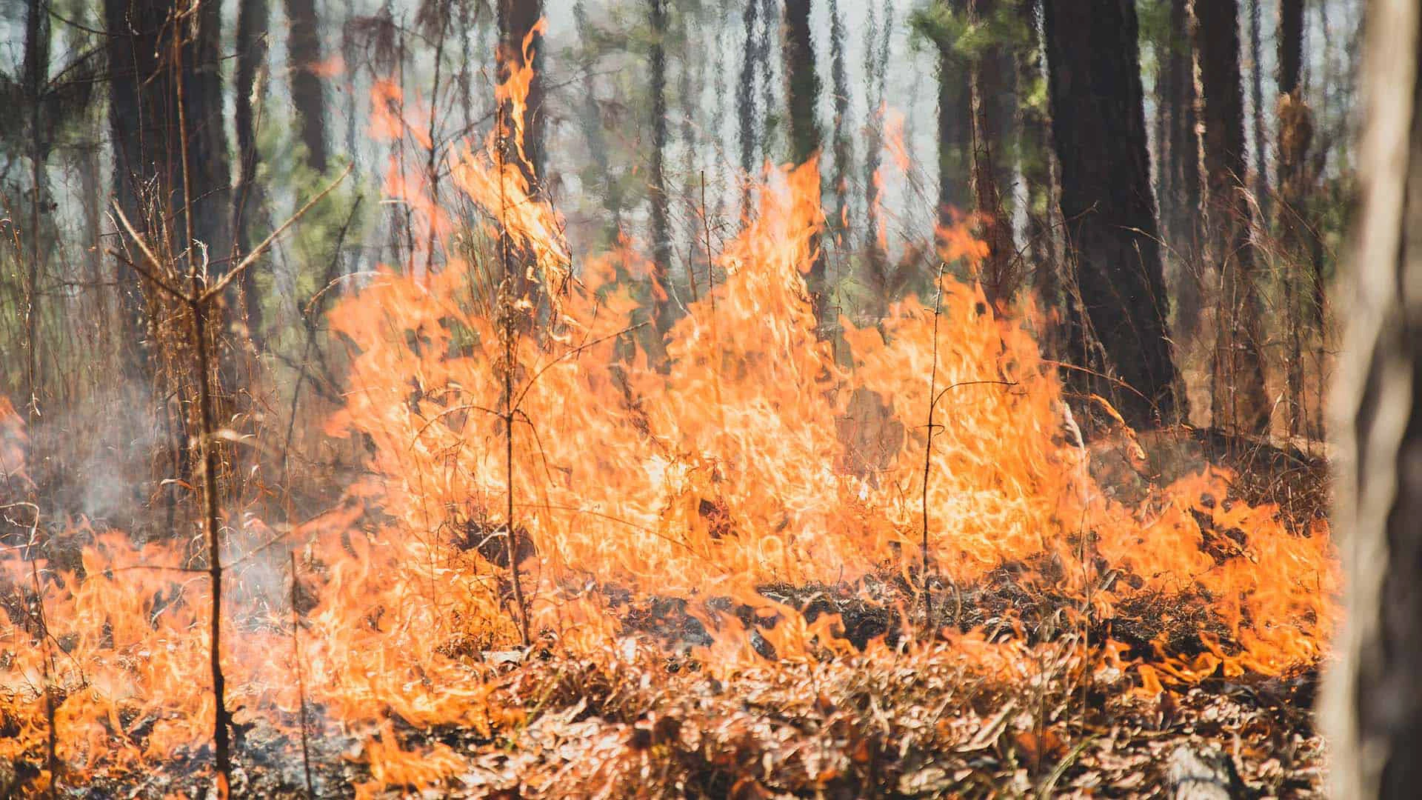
1024,690
644,724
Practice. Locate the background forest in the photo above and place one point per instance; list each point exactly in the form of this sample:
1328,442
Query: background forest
651,118
914,397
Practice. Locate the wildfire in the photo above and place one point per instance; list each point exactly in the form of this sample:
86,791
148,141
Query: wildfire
752,456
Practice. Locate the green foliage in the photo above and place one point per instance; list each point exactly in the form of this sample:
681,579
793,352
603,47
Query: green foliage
944,27
284,174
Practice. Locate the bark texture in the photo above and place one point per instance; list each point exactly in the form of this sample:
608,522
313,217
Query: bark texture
1295,219
1180,192
252,23
955,115
803,94
661,222
1238,397
994,105
143,114
1372,705
517,19
1035,156
1098,123
307,92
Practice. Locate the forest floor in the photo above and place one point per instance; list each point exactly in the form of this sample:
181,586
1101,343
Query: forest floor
1021,693
646,721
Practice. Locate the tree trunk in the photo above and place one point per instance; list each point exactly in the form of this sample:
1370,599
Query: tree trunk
993,93
1237,382
803,94
843,146
769,122
252,22
1180,193
1035,156
144,117
1290,36
745,106
1098,123
1372,703
36,78
803,82
661,224
303,43
1256,85
517,19
955,114
1304,292
876,57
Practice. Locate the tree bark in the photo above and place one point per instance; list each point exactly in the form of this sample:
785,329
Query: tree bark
1256,87
252,23
745,106
876,57
993,91
661,223
303,43
955,114
1237,381
803,93
1304,292
843,146
1098,124
1372,703
802,80
1180,193
517,19
36,79
1035,156
143,114
1291,32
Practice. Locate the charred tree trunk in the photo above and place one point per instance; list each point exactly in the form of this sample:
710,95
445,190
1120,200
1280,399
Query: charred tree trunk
307,96
252,21
803,92
843,147
955,114
802,81
1237,380
517,19
1372,705
661,223
520,46
1180,193
745,106
148,135
209,168
1098,124
993,99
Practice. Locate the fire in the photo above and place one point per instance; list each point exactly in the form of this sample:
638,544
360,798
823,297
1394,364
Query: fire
753,456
